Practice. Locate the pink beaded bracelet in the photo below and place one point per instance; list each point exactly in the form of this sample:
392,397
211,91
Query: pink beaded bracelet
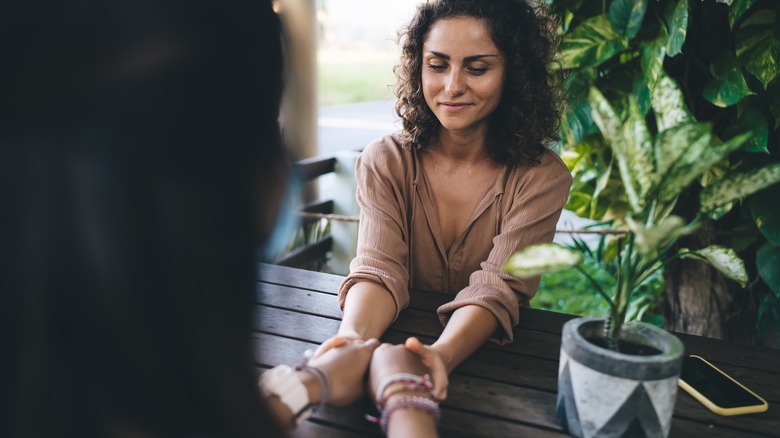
414,402
410,382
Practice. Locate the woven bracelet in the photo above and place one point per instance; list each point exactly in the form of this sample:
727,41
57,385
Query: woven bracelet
410,382
413,402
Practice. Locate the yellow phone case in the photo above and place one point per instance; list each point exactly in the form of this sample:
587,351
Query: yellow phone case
752,409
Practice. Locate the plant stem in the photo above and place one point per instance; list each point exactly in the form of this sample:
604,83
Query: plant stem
657,265
598,287
625,285
650,219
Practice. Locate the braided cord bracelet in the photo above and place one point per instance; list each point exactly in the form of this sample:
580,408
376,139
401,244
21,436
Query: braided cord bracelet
407,381
412,402
303,365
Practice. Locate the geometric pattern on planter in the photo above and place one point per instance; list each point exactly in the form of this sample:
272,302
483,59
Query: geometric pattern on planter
637,415
565,408
605,405
663,393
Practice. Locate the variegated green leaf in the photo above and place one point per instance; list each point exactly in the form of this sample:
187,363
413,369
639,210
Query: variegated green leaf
651,239
653,54
723,259
612,128
605,117
738,8
669,104
678,146
738,185
676,18
540,259
601,184
754,122
727,86
758,47
626,16
639,154
591,43
695,161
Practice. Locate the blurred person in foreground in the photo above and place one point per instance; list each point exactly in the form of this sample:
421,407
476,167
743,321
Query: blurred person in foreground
142,168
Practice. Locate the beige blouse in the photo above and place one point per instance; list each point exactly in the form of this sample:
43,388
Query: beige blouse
400,242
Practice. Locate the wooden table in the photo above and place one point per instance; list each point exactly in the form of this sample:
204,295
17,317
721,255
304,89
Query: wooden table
499,391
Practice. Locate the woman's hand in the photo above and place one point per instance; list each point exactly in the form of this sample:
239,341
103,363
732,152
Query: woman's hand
413,358
431,359
345,364
335,341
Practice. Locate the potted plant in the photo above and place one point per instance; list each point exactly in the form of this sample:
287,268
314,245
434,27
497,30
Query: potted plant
618,378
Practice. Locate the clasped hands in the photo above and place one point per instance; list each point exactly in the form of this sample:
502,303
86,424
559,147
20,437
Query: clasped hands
346,359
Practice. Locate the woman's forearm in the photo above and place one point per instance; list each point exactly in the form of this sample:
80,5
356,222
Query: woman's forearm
411,424
468,328
368,311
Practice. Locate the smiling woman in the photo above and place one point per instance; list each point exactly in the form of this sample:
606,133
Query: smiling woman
468,181
463,74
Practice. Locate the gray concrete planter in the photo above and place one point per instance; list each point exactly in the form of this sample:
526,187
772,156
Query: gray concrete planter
602,393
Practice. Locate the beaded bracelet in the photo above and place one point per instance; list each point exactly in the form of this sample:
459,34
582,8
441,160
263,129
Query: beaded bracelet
414,402
409,381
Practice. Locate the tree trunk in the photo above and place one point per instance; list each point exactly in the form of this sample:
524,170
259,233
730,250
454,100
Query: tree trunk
700,301
697,296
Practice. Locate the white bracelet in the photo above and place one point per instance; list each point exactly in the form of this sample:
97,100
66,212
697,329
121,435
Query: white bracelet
282,382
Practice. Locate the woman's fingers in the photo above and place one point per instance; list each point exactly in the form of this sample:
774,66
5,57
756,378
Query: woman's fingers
433,361
332,342
335,342
371,344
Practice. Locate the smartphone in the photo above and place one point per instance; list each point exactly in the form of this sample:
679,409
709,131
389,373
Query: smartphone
717,390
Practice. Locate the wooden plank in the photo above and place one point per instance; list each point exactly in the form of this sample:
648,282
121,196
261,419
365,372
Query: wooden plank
725,352
458,423
302,300
310,280
303,255
311,168
686,407
682,428
319,206
311,428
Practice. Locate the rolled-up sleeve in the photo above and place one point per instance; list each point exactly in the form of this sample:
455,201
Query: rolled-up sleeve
382,248
531,217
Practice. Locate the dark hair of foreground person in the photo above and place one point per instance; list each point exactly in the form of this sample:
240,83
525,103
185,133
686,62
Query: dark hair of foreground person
140,160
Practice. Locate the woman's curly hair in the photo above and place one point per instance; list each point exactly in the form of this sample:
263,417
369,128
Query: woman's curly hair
528,115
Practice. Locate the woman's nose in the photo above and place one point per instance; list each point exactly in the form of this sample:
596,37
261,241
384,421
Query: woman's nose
455,85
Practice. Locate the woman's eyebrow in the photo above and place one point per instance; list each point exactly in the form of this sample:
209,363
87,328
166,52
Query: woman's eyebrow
466,59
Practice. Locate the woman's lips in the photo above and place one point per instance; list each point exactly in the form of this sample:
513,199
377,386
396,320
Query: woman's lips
454,106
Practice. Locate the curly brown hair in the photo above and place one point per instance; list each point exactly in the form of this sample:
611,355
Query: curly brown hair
528,116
